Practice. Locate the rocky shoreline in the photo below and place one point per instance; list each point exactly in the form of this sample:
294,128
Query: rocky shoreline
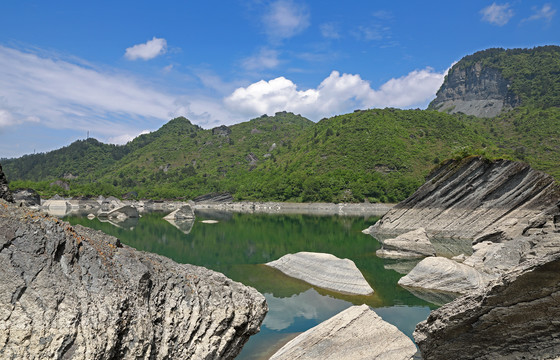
72,292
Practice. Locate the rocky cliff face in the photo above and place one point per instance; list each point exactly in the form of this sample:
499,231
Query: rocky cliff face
72,292
474,198
474,90
515,317
5,192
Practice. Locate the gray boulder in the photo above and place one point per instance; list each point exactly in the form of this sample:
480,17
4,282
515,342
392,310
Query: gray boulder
354,334
27,197
439,273
185,212
72,292
413,244
5,192
514,317
325,271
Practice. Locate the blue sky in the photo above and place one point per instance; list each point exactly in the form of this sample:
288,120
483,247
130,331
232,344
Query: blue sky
120,68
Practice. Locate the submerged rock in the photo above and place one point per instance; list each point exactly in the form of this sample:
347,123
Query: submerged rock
412,244
325,271
355,333
514,317
72,292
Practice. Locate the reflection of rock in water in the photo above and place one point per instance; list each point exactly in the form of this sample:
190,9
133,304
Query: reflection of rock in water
127,224
185,226
402,267
435,297
214,214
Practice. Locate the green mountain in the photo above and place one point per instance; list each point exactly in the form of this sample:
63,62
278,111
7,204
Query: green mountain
374,155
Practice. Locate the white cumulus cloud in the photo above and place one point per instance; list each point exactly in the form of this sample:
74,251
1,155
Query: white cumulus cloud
148,50
497,14
285,19
338,93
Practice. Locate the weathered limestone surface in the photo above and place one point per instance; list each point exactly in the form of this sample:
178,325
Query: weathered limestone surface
413,244
473,196
72,292
354,334
439,273
325,271
514,317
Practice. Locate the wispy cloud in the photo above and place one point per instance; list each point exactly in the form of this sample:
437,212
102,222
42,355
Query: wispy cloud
330,31
66,94
285,19
545,13
336,94
497,14
148,50
264,59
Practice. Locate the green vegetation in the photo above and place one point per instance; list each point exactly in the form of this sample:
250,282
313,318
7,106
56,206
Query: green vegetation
372,155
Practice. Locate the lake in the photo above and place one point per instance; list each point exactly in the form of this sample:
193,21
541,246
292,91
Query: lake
239,244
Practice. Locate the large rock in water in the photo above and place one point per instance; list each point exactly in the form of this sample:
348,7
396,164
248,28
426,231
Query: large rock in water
325,271
514,317
354,334
471,197
5,192
72,292
27,197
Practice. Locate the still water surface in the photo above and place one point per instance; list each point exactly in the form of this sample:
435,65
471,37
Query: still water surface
239,244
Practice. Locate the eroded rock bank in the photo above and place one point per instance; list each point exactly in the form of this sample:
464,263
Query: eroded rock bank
476,198
514,317
73,292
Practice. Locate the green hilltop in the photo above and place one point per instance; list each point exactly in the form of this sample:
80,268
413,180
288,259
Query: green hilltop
377,155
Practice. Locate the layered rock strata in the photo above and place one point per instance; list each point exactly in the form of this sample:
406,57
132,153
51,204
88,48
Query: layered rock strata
325,271
514,317
475,197
72,292
354,334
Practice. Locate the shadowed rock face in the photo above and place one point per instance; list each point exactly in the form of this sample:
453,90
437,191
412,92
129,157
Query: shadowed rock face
475,90
472,197
5,192
72,292
515,317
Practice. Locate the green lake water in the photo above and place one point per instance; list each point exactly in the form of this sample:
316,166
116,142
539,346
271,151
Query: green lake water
239,244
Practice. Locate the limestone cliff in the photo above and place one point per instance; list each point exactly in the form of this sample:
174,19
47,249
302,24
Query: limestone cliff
475,198
72,292
474,90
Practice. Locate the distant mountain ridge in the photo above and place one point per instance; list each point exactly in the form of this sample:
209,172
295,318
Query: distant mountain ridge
376,155
492,81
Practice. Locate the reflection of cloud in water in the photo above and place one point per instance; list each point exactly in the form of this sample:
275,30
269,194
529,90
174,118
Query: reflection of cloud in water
308,305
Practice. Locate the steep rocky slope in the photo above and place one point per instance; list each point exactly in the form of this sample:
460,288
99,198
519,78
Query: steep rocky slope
476,90
475,198
491,81
72,292
515,317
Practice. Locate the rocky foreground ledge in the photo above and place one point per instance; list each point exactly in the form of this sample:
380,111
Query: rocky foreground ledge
72,292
